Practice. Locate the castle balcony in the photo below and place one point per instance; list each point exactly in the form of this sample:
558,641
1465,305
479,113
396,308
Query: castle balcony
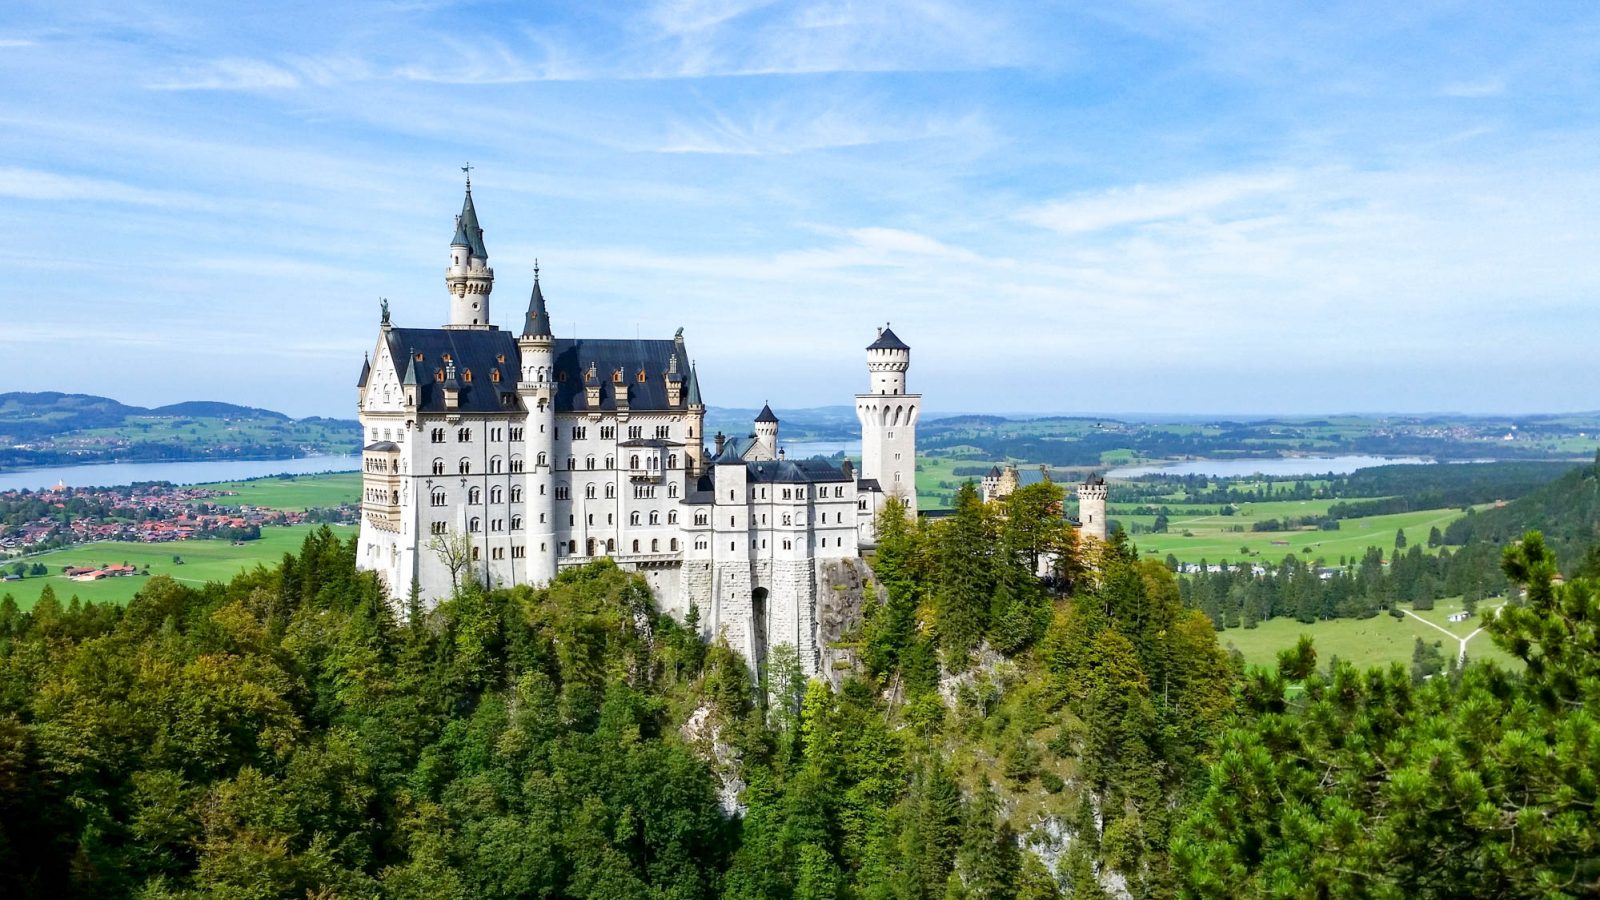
643,474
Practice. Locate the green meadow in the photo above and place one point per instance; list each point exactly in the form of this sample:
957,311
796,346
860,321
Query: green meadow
1377,641
1211,538
203,561
292,493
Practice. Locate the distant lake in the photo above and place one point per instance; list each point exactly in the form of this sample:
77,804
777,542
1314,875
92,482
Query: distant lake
112,474
1286,467
808,449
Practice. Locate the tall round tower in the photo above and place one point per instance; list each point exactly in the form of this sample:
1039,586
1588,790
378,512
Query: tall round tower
1092,507
468,277
536,385
888,417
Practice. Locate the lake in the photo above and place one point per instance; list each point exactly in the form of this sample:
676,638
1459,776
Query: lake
109,474
1285,467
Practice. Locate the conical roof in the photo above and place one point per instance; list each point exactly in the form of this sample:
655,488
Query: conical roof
366,370
694,387
468,233
410,376
538,323
888,341
766,414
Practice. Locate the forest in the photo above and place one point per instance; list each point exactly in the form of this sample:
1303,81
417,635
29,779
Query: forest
293,733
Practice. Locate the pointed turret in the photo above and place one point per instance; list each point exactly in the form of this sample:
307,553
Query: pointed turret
469,278
766,445
538,321
410,377
766,415
467,227
694,387
366,370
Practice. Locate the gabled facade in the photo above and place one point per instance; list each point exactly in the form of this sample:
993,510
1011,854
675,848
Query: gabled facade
502,458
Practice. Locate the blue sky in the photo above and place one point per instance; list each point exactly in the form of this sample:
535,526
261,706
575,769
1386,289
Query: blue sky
1095,207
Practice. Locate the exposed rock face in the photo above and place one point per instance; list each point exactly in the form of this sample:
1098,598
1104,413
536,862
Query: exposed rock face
844,588
704,733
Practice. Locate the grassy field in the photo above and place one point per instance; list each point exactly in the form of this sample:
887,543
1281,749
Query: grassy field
295,492
1210,539
1366,642
203,561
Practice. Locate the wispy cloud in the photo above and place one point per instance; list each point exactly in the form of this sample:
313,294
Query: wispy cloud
1144,204
230,75
1488,87
36,184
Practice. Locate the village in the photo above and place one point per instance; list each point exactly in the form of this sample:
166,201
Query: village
153,513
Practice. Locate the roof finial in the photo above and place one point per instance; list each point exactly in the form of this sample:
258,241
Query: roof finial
536,270
468,169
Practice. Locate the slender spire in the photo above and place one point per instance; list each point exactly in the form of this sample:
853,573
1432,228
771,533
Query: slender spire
468,233
410,376
538,324
366,370
694,386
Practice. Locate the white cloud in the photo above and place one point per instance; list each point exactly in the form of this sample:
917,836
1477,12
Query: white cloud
231,74
36,184
1143,204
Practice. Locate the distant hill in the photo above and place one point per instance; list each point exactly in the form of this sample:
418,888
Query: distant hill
1566,510
52,428
214,409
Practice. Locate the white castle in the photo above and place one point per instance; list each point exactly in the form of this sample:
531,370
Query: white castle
502,458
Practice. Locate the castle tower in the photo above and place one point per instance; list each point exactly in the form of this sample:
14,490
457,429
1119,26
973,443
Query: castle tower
989,487
537,386
888,417
695,426
468,277
766,434
1092,507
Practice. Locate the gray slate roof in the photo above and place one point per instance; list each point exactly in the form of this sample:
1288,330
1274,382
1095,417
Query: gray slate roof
538,321
794,471
766,414
888,341
468,232
471,350
573,357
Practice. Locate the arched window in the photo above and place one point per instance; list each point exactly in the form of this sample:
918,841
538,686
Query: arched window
655,517
494,464
516,464
787,520
672,490
437,498
465,466
674,545
516,523
588,491
633,518
588,462
611,490
572,464
655,545
611,545
672,517
636,546
611,462
438,467
474,524
633,461
544,459
474,495
497,494
672,460
572,547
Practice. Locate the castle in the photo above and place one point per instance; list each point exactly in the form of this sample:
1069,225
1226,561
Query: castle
503,458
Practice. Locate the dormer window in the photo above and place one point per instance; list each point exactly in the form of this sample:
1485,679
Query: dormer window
641,377
494,374
466,376
445,357
616,377
419,357
561,376
500,357
438,374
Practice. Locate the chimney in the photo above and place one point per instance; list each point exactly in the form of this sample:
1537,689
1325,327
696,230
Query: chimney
848,470
720,439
